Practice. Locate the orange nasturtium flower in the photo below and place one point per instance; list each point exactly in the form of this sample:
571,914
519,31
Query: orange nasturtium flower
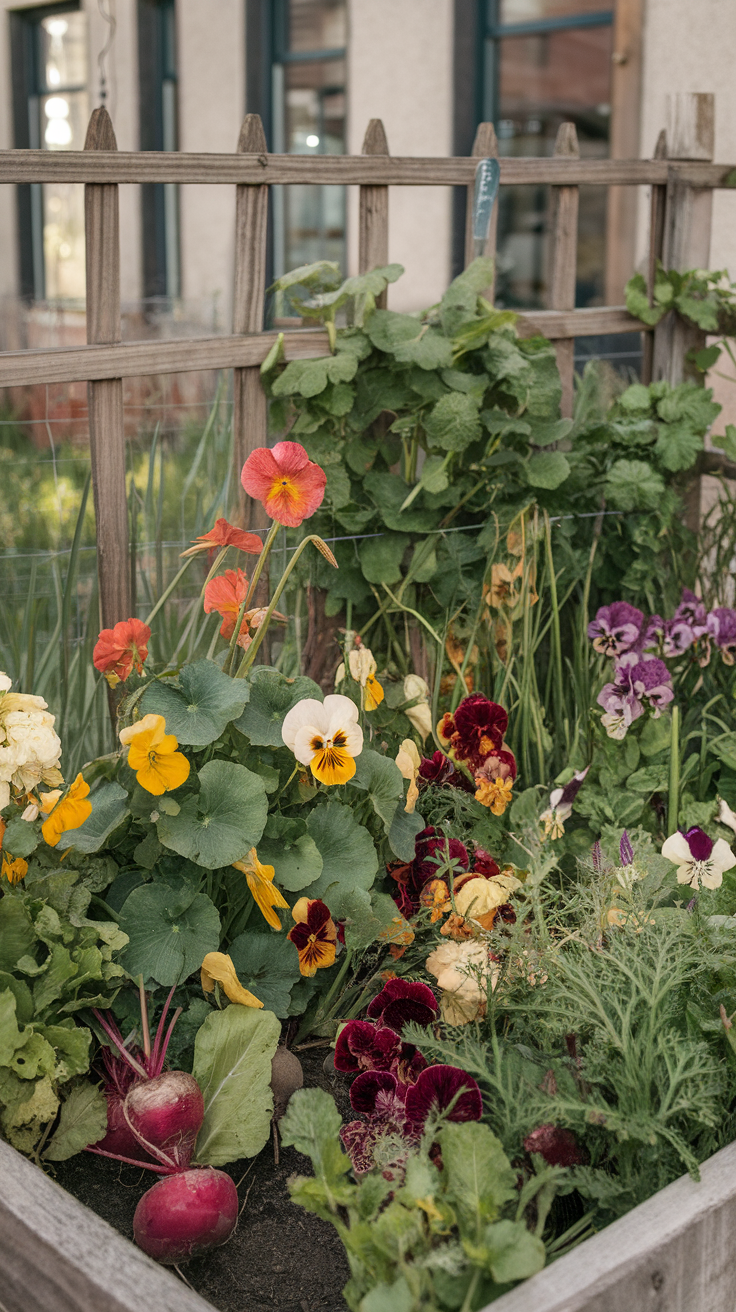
260,882
225,535
218,966
14,868
64,813
122,649
152,753
225,593
314,935
289,485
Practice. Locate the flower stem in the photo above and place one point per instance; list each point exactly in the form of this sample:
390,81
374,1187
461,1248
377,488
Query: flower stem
250,655
165,595
674,789
250,592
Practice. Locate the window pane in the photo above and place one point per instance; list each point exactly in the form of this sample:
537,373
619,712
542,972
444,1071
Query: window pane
62,51
529,11
317,25
545,80
63,115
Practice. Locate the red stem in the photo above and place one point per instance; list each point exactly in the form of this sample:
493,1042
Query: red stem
117,1039
144,1021
131,1161
150,1147
158,1055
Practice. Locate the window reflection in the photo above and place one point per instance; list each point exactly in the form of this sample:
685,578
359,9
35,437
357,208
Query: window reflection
60,123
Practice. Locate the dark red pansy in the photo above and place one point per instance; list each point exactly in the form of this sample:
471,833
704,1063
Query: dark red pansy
436,769
478,719
411,878
483,864
410,1065
558,1147
437,1088
402,1000
366,1087
364,1047
699,843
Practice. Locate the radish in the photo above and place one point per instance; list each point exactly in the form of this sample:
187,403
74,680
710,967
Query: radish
165,1115
186,1214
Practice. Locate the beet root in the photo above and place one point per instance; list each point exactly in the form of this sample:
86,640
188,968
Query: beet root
119,1138
186,1214
166,1114
286,1077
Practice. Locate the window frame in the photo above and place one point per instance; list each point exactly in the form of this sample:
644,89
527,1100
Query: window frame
158,120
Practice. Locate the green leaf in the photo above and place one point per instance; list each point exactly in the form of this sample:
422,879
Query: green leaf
272,695
509,1252
459,304
310,377
478,1173
297,863
409,341
547,469
223,822
17,935
349,857
633,485
401,836
382,780
656,735
453,422
232,1065
20,837
268,965
199,709
381,557
649,779
389,1298
109,809
434,476
635,398
21,993
170,933
71,1046
678,446
728,441
545,432
312,1125
83,1121
637,301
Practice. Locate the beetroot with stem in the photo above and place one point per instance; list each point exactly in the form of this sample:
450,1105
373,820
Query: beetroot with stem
186,1214
165,1115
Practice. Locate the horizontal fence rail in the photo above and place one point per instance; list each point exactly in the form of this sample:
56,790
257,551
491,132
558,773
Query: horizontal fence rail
358,170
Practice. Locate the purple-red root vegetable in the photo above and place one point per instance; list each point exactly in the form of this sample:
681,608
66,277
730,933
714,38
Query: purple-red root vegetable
186,1214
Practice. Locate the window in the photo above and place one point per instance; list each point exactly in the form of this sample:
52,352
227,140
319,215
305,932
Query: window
548,62
308,118
49,52
158,131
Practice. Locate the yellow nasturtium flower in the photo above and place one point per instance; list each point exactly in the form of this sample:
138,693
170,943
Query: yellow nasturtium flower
67,812
218,966
260,882
159,767
14,868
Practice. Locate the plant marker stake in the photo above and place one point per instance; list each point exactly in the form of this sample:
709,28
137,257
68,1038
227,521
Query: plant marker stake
487,179
674,787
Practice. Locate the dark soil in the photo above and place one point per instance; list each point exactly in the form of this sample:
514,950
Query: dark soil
280,1257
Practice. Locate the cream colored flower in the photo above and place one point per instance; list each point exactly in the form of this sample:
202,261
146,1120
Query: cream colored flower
30,750
363,670
325,736
419,715
463,971
408,761
479,896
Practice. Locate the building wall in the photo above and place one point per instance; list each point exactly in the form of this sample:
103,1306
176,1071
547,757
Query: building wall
400,70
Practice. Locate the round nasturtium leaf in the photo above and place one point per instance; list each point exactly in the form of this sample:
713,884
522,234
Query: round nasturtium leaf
272,695
198,711
170,932
223,821
268,965
349,857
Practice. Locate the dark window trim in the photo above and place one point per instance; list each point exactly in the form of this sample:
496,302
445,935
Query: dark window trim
157,66
309,56
538,26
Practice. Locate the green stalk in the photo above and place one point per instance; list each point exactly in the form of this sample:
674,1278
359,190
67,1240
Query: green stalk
250,593
251,653
165,595
556,640
674,789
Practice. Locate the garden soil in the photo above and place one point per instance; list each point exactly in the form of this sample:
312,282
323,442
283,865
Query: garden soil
281,1258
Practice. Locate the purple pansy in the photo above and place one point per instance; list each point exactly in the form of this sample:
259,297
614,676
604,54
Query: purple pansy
700,860
637,680
402,1000
721,624
616,628
440,1087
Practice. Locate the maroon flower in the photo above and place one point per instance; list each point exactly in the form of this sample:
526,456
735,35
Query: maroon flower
436,1089
411,878
484,865
436,769
367,1086
410,1065
402,1000
558,1147
479,728
360,1139
364,1047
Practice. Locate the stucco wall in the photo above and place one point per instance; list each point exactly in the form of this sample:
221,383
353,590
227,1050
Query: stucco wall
400,70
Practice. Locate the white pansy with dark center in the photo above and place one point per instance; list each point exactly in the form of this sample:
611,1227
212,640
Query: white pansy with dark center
698,858
325,736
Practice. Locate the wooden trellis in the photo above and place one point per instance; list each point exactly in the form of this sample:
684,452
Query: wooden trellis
681,176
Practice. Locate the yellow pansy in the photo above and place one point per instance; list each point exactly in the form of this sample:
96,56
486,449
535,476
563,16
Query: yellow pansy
218,966
408,761
325,736
67,812
159,767
260,882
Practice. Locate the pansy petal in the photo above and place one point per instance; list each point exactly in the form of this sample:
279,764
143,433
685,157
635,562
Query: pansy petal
677,849
722,858
308,711
338,707
303,745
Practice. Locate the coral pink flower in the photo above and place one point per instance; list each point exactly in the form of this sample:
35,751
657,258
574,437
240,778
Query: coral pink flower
122,649
290,485
225,593
225,535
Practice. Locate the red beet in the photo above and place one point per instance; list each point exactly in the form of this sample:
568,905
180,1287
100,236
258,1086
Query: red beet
166,1114
185,1214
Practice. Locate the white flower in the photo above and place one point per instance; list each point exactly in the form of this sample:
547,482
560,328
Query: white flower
420,715
325,736
462,971
725,815
5,683
363,670
699,860
30,749
408,761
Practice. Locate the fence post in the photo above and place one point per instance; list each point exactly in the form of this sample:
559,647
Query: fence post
105,399
250,407
656,249
687,228
563,261
373,221
485,146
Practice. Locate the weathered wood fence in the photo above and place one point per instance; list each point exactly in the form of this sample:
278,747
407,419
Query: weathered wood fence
682,180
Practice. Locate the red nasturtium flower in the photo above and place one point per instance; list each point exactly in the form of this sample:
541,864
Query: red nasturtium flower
314,935
122,649
290,485
225,593
225,535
